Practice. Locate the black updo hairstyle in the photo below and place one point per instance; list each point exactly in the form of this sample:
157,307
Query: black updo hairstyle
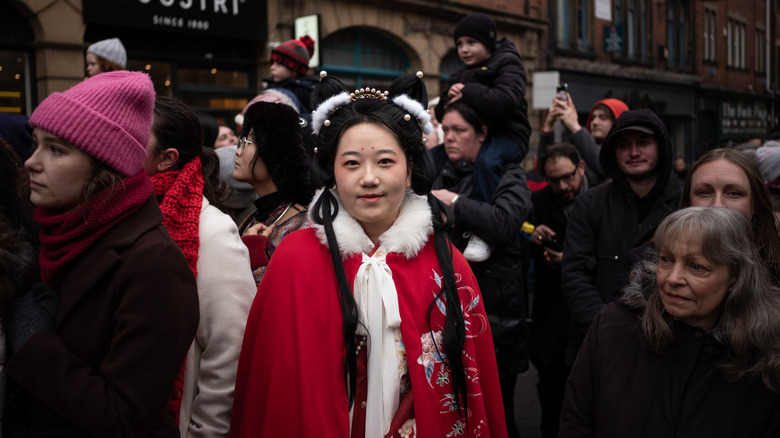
279,146
325,209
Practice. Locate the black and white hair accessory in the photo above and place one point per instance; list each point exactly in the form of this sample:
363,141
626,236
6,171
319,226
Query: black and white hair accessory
416,109
320,115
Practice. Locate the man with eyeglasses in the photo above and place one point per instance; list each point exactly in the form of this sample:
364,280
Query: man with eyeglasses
617,216
564,171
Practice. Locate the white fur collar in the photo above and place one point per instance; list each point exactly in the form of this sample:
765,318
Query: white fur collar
407,236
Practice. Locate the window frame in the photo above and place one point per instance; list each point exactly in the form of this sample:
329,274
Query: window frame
709,36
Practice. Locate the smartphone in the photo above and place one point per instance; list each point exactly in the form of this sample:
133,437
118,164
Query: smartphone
561,92
552,244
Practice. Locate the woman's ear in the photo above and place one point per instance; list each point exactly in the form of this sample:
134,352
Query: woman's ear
483,135
168,159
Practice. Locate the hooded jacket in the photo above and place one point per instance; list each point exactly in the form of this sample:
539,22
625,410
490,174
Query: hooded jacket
496,89
584,141
607,222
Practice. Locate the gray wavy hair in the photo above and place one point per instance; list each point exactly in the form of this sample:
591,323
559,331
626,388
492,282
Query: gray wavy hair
749,324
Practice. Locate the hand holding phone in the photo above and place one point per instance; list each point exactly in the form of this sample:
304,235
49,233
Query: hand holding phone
552,244
561,92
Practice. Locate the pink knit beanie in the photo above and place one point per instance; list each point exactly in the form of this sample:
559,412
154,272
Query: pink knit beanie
108,116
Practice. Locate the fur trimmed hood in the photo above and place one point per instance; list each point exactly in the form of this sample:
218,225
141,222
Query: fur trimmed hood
408,234
641,283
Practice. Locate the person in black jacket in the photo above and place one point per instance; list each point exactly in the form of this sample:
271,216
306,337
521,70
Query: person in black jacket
616,216
566,179
492,82
490,203
692,348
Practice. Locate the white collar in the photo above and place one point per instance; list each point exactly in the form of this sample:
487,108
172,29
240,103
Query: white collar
408,234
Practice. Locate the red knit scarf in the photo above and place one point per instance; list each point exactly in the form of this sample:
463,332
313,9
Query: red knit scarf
65,236
180,193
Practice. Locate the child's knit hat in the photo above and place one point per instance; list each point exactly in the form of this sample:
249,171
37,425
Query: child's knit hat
110,49
479,26
108,116
294,54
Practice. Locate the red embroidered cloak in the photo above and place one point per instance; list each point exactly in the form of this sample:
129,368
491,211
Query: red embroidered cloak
290,378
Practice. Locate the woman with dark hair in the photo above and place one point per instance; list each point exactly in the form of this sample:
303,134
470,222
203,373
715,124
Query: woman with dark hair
210,129
384,334
731,178
16,245
693,347
186,182
98,344
490,200
270,157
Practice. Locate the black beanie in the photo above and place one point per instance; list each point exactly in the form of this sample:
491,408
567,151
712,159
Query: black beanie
479,26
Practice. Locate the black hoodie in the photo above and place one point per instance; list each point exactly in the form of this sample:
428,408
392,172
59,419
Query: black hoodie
609,220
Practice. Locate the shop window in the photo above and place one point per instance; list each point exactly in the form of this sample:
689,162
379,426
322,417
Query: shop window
16,62
160,72
735,39
677,25
361,57
710,35
760,46
634,18
14,82
213,77
572,24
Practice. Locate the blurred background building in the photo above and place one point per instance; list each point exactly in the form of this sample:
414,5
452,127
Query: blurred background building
708,68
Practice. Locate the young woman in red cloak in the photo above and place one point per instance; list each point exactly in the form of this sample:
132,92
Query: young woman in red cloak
371,323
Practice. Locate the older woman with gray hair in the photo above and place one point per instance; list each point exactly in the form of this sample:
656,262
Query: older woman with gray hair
693,348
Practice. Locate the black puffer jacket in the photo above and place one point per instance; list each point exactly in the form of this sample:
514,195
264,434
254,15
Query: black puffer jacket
497,223
607,222
496,88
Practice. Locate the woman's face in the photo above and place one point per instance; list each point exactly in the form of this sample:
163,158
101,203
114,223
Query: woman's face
93,64
371,176
461,141
58,172
721,183
258,176
226,137
692,287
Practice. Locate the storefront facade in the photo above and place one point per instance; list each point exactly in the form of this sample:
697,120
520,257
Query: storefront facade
214,54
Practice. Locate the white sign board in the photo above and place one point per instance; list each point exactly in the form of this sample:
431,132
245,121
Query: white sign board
545,83
310,25
603,10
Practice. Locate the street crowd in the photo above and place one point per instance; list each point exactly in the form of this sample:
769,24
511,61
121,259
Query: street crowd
366,263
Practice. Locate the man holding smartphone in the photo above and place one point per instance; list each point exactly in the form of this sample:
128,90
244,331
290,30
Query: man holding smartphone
586,139
565,174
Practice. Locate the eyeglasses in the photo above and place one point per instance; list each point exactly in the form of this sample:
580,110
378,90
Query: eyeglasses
567,178
242,144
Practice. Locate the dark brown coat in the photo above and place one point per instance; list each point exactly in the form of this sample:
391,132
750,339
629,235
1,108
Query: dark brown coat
128,311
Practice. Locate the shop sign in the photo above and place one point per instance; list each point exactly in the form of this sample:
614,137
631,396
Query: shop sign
613,38
741,119
242,19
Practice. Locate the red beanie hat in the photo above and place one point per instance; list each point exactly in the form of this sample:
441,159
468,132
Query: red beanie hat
108,116
616,107
294,54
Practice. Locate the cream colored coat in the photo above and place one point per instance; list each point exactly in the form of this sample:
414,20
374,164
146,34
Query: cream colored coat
226,290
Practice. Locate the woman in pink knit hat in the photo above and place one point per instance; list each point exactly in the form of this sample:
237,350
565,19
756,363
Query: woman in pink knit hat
99,342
